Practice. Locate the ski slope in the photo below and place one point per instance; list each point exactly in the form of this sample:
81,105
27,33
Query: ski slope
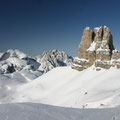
71,95
66,87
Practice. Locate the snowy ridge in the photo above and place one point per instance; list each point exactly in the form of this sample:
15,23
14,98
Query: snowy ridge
15,60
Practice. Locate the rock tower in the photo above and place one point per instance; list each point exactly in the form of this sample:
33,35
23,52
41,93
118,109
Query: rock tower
96,48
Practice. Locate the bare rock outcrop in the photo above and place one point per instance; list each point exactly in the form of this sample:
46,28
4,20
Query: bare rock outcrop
85,43
96,48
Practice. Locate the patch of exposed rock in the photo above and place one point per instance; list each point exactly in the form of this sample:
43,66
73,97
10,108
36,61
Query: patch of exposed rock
96,48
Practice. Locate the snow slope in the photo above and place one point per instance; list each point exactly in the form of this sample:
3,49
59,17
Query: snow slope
66,87
26,92
33,111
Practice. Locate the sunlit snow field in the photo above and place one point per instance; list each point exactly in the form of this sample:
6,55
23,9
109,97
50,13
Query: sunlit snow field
86,95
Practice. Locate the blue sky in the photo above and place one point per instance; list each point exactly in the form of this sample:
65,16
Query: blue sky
34,26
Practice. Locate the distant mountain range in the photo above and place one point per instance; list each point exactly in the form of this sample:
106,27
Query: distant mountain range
15,60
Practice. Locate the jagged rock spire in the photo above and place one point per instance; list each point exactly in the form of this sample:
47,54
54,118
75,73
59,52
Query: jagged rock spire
96,46
85,42
99,42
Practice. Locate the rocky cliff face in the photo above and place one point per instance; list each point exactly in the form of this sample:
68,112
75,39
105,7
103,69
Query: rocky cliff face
96,48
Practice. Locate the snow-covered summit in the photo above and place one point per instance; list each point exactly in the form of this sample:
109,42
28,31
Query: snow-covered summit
15,60
53,58
12,53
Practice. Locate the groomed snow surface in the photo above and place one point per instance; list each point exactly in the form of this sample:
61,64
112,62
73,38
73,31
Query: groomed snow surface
96,94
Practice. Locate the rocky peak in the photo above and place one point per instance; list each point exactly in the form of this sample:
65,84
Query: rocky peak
85,42
98,42
98,31
96,46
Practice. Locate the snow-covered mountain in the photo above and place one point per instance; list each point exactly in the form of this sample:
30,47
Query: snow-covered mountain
15,60
53,58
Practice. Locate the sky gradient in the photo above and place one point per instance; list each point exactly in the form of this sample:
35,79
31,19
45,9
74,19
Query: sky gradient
34,26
